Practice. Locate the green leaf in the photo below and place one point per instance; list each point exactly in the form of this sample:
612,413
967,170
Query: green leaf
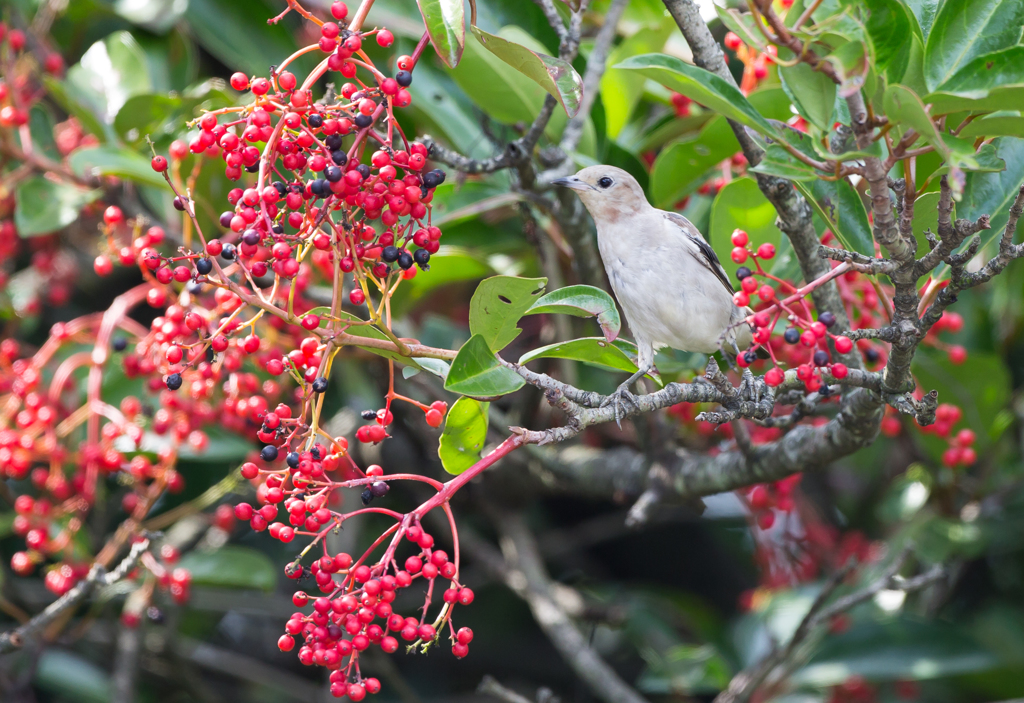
237,34
476,372
43,206
446,26
464,435
852,66
109,72
988,193
813,93
888,23
621,84
1006,98
778,162
450,265
924,13
110,160
840,206
231,566
966,29
555,76
498,304
700,85
72,677
741,24
900,649
926,217
680,168
981,386
582,301
596,351
986,72
740,204
154,114
995,126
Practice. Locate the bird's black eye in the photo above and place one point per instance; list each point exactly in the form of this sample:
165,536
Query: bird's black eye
604,182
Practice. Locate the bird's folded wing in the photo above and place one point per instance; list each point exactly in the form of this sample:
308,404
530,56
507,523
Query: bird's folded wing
705,254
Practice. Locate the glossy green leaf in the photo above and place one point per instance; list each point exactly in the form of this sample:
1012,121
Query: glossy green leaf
450,265
497,306
700,85
43,206
555,76
923,12
840,206
966,29
889,25
986,72
110,160
741,204
72,677
622,84
231,566
582,301
596,351
237,34
464,435
980,387
446,26
813,93
995,126
476,372
778,162
109,72
905,649
992,193
82,106
851,66
671,129
1007,98
680,168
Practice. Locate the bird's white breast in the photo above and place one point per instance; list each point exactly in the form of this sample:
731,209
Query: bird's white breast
669,298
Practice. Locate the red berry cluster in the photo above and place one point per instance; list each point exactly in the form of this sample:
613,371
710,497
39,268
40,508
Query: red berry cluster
355,611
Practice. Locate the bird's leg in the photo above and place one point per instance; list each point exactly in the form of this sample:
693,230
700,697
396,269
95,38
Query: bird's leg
748,387
622,395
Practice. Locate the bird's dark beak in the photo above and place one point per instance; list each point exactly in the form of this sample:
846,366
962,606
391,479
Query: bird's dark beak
573,182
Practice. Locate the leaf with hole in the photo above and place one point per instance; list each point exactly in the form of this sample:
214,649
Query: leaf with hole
582,301
498,304
476,372
464,435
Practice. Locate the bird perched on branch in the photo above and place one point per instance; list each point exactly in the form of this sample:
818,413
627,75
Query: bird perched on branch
671,286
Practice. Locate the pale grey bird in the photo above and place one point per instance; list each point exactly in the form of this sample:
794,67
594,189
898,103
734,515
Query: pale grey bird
671,286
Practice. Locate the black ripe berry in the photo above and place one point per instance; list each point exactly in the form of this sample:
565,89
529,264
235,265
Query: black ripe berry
369,414
120,344
820,357
280,187
422,256
366,496
292,459
174,382
225,219
228,252
405,260
315,121
179,204
379,488
871,355
251,237
363,121
333,142
364,171
269,453
432,179
404,78
339,157
332,174
742,272
791,335
827,319
750,357
320,385
204,266
389,254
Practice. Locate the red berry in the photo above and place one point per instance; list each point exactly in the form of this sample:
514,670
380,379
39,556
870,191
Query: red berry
843,345
385,38
957,355
774,377
732,41
766,251
159,164
840,371
738,255
739,238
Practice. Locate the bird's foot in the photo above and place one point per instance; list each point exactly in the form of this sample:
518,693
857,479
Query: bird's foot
620,400
749,388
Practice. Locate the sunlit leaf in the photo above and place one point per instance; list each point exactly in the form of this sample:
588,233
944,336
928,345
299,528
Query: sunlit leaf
476,372
962,31
446,26
110,160
464,435
498,304
582,301
595,351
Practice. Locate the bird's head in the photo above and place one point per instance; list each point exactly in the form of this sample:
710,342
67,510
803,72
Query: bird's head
609,193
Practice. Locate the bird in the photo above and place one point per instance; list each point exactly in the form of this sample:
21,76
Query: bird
666,277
